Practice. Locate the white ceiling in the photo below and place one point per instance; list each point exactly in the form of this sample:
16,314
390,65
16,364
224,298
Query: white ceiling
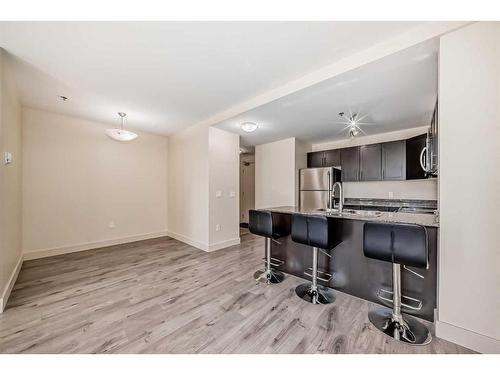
169,75
396,92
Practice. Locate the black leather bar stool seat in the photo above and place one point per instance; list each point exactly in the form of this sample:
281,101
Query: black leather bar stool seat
272,227
400,244
321,233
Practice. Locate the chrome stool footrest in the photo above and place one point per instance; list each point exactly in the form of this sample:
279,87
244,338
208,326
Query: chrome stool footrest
275,262
417,303
320,275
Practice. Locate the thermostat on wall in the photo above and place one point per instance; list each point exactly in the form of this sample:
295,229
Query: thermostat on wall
7,157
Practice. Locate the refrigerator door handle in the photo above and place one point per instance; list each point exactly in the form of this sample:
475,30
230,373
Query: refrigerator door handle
329,198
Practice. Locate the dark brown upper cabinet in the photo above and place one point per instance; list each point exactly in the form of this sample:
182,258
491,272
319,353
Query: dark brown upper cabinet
349,160
394,160
370,162
330,158
315,159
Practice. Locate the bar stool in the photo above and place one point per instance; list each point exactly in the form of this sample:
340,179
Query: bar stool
400,244
272,227
322,233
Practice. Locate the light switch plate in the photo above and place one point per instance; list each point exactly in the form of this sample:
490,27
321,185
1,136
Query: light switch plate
232,194
7,157
218,194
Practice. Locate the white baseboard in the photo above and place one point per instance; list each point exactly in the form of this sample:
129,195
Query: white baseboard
224,244
469,339
42,253
203,246
10,284
188,240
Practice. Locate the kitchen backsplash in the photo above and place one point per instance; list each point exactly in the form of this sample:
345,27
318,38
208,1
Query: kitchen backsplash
414,189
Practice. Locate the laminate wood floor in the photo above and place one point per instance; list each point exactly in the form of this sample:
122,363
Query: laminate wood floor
163,296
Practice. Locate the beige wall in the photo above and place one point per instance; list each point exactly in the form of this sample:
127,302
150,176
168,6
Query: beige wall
202,161
10,182
276,172
188,193
418,189
469,193
224,148
78,183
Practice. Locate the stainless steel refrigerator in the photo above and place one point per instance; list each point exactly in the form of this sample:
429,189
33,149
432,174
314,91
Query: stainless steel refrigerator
315,187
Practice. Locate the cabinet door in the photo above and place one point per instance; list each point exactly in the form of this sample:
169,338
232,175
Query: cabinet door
394,160
315,159
414,147
349,159
332,158
370,162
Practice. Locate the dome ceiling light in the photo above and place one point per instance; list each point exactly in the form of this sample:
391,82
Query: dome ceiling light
119,134
249,126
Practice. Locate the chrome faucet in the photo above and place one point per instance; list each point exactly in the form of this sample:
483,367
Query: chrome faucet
341,198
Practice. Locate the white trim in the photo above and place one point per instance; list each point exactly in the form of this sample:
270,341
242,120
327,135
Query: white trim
188,240
10,284
469,339
224,244
203,246
42,253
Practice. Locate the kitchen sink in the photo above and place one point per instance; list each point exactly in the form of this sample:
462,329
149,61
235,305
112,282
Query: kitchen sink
361,213
364,213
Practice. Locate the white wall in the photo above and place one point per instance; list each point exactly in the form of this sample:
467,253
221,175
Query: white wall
201,161
188,192
415,189
224,177
76,181
301,150
469,193
10,182
276,172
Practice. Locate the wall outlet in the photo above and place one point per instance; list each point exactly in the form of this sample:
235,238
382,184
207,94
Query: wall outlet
218,194
7,157
217,227
391,194
111,224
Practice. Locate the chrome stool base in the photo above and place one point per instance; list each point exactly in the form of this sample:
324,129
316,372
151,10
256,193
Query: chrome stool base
404,329
321,295
269,276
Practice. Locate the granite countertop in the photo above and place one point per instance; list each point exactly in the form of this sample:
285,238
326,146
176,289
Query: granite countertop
428,220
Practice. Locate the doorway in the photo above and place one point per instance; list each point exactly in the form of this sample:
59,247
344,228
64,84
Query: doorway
247,187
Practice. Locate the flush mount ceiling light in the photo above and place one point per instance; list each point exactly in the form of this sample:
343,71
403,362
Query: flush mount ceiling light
119,134
249,126
352,124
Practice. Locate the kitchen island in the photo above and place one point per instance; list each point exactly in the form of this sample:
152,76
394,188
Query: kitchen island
352,272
